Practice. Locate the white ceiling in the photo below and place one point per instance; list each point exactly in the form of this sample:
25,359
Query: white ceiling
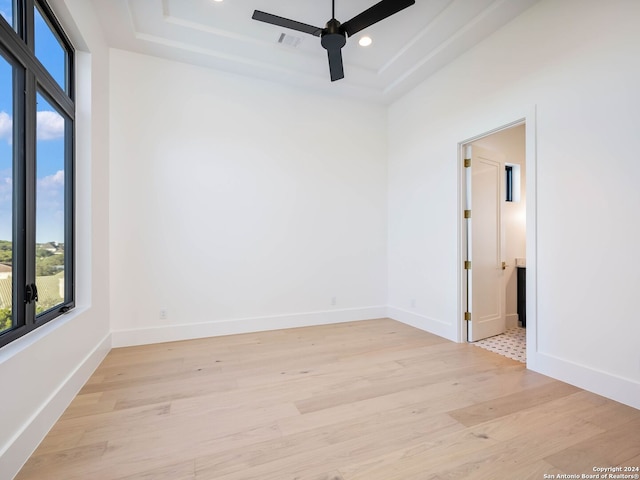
407,47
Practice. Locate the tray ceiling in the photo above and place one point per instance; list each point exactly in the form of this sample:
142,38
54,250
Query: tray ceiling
406,49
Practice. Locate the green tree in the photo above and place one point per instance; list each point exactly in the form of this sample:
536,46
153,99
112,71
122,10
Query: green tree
44,305
6,252
49,265
42,252
6,321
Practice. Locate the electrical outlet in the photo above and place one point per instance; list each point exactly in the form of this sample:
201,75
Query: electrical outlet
413,303
163,313
334,301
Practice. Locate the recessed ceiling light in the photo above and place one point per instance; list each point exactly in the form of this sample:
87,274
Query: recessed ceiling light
365,41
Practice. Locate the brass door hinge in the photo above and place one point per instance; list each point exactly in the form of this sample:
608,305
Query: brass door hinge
467,316
467,264
467,162
467,214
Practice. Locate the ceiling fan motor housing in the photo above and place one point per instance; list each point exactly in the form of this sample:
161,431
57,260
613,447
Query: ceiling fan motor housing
333,36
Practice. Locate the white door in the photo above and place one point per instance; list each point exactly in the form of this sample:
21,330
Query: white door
484,229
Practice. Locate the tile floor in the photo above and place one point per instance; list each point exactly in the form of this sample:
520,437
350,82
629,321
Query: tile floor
510,344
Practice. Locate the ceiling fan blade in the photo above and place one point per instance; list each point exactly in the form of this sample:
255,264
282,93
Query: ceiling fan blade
335,64
378,12
286,23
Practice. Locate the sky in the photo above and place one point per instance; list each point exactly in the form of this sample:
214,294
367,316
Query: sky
6,9
49,145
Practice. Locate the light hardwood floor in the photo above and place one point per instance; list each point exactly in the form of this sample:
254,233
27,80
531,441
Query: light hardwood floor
372,400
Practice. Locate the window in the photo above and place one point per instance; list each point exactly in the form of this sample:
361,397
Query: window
6,194
37,114
50,49
512,182
509,183
7,7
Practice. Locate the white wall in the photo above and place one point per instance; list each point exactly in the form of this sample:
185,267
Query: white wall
240,205
510,143
41,372
576,62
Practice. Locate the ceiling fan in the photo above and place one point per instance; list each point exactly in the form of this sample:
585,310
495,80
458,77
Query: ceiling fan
334,34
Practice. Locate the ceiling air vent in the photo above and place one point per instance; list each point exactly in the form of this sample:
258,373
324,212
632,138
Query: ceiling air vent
289,40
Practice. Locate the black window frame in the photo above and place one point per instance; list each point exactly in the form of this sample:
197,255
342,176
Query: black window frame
508,183
17,46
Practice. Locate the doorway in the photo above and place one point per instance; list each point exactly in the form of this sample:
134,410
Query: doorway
493,238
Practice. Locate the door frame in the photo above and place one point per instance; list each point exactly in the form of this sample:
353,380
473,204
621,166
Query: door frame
529,120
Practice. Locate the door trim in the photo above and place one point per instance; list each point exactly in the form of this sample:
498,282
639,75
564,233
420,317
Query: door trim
529,120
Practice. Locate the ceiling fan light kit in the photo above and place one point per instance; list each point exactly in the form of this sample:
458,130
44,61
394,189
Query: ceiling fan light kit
334,35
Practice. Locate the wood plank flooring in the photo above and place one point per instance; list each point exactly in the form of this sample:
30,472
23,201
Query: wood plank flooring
372,400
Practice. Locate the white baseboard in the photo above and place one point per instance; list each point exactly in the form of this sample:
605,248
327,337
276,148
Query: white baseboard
18,450
511,320
437,327
171,333
617,388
